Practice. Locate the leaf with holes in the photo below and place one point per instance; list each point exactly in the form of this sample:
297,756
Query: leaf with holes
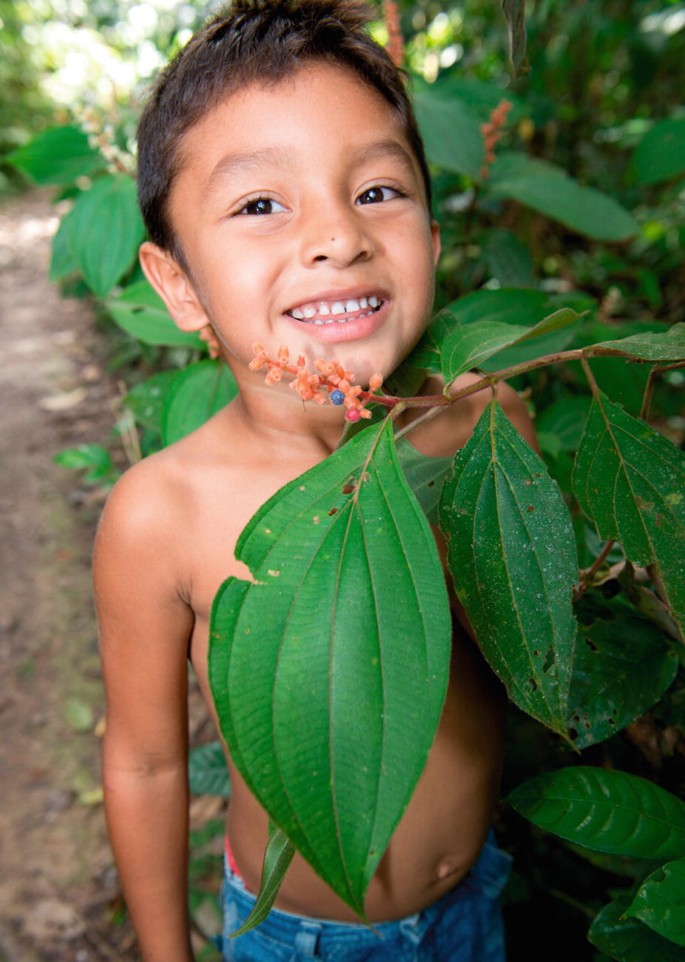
630,481
511,552
328,690
660,901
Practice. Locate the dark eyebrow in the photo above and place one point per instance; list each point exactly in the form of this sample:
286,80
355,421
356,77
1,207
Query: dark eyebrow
281,157
253,159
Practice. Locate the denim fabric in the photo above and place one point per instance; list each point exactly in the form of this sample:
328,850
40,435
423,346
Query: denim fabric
463,926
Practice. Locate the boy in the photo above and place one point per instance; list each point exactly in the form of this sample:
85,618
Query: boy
286,195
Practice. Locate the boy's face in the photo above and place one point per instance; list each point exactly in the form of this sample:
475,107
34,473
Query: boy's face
301,214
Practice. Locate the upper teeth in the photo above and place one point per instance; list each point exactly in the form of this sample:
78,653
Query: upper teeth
324,308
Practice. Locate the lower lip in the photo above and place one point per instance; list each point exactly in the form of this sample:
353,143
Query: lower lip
353,329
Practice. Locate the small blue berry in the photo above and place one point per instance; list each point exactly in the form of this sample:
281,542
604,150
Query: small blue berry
337,397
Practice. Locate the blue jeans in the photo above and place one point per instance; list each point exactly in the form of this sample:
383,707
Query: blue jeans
463,926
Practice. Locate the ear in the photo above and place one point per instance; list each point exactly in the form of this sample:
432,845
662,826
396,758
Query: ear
174,286
435,238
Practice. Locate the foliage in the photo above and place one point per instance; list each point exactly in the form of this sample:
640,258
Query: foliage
561,273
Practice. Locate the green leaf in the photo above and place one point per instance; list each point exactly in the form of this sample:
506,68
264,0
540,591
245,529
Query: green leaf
207,770
660,154
549,191
648,346
469,346
628,940
564,419
425,476
140,312
450,131
277,858
630,481
622,668
59,155
103,231
328,692
515,12
511,552
606,810
508,259
660,901
146,400
197,392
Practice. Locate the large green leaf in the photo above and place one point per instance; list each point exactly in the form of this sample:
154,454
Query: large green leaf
660,154
630,481
103,231
328,691
469,346
660,901
197,392
450,131
59,155
141,312
628,940
606,810
648,346
511,552
622,668
548,190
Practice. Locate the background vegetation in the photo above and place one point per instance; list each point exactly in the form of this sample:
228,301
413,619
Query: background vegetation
582,206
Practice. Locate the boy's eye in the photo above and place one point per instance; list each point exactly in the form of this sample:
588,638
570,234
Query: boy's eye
262,205
376,195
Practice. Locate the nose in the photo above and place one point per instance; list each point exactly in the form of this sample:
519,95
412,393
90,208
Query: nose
338,236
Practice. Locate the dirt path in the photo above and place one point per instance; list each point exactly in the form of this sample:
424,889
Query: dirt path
58,889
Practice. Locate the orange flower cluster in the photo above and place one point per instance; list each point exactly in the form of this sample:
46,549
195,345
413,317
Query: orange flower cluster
492,131
331,381
395,38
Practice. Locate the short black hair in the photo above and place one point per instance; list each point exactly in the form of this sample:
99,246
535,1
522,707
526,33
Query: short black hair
256,41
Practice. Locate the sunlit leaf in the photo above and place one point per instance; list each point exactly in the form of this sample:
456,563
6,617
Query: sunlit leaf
141,312
197,392
660,901
467,347
606,810
57,156
103,231
630,481
648,346
511,552
628,940
622,668
328,691
277,858
550,191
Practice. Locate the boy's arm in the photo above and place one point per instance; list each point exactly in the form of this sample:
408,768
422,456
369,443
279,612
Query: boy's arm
144,632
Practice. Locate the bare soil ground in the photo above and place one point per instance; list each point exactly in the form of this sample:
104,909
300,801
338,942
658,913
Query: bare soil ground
59,894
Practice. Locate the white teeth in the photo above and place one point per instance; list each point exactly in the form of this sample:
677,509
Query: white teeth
310,312
374,301
363,303
297,314
324,309
319,321
352,306
337,307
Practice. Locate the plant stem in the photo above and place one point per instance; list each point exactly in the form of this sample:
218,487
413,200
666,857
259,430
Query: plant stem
588,575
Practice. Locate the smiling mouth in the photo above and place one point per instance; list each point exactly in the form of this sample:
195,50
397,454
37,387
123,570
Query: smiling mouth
336,312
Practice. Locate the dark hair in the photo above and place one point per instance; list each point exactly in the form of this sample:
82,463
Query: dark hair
255,41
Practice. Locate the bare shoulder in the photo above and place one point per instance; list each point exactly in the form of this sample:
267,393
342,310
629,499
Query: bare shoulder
452,428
